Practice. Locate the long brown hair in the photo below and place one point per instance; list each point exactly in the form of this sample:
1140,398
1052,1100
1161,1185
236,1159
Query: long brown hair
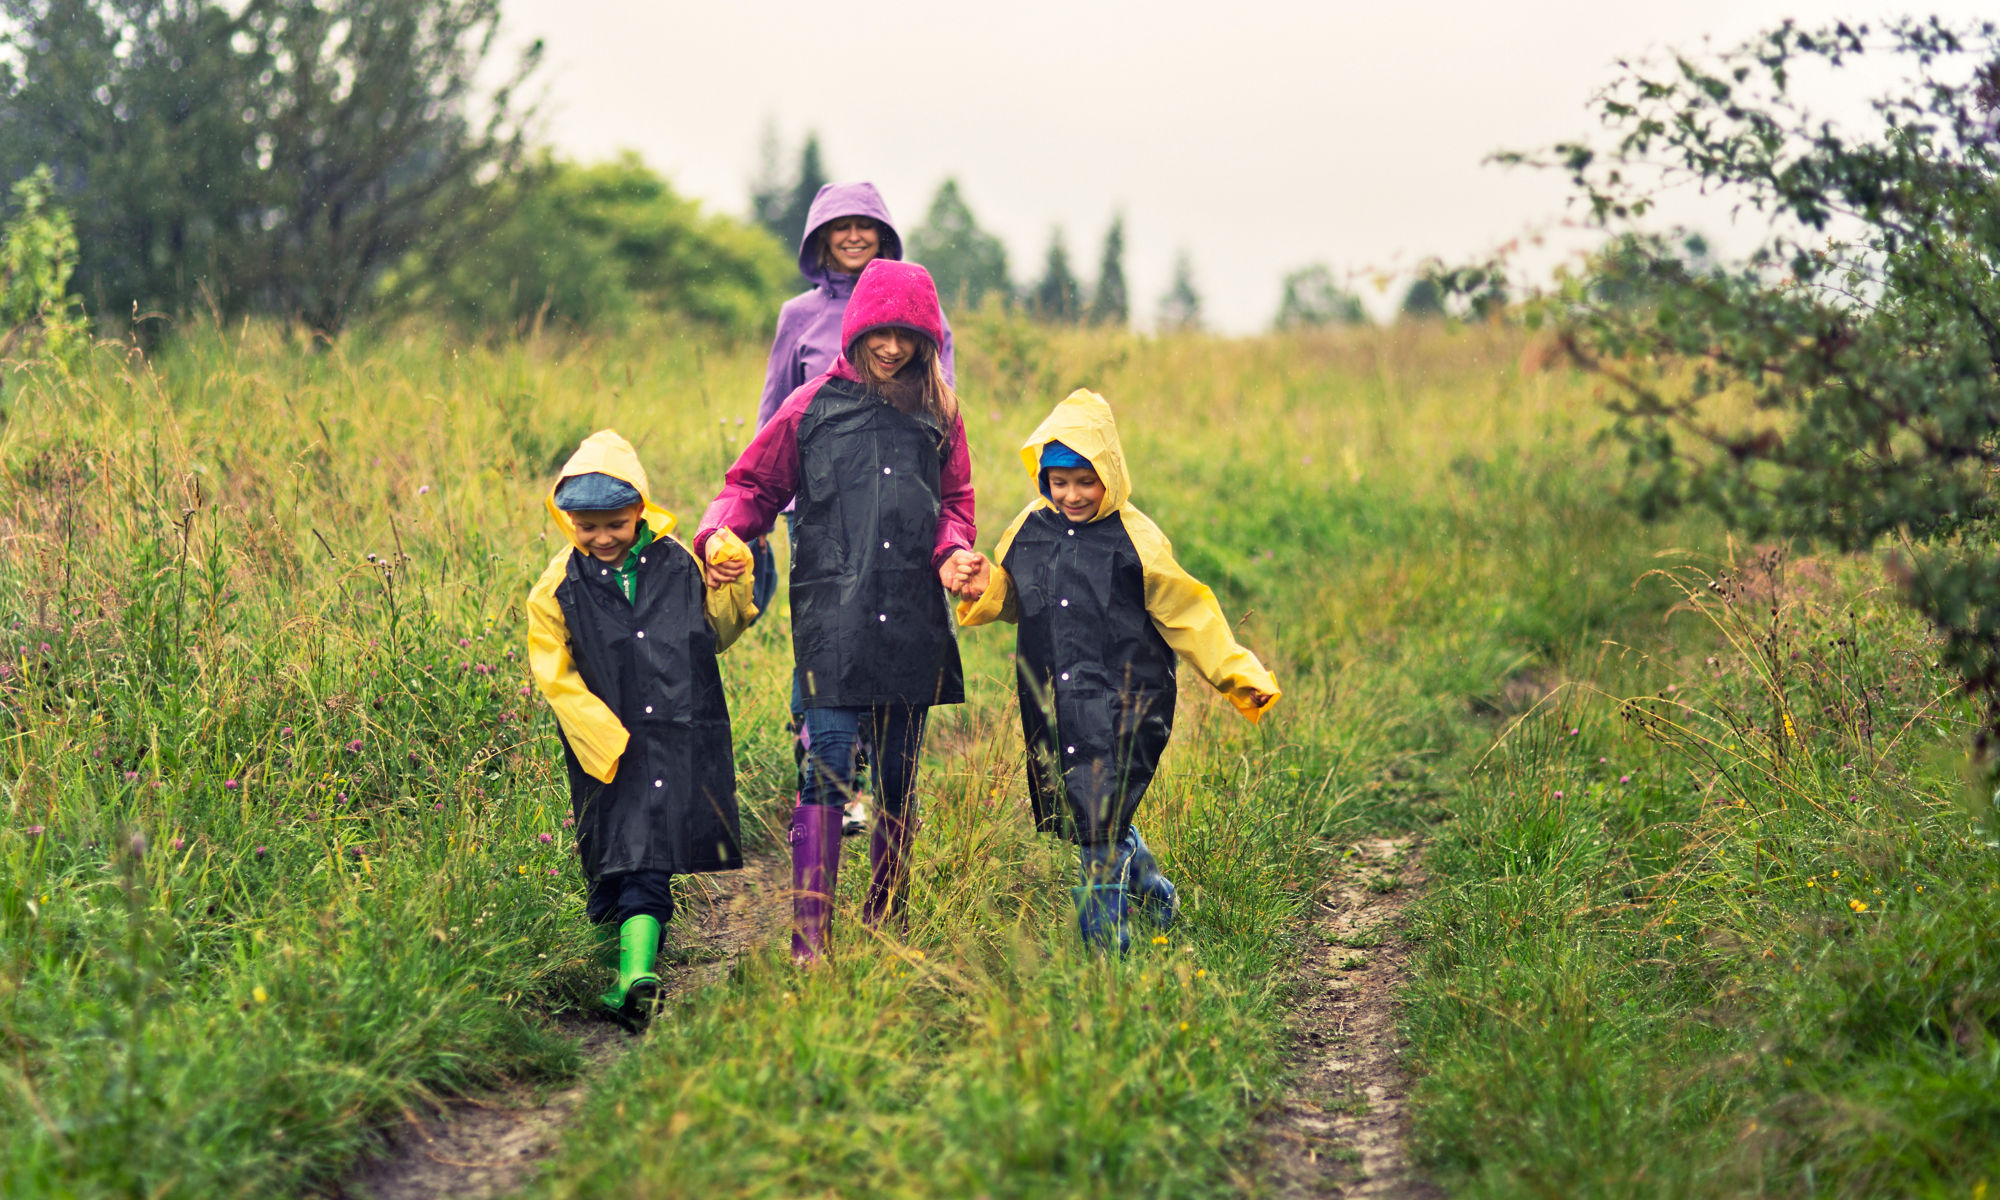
919,387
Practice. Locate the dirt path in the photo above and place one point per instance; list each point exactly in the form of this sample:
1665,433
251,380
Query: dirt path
487,1146
1342,1126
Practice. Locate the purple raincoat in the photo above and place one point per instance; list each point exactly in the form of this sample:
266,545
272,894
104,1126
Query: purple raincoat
808,340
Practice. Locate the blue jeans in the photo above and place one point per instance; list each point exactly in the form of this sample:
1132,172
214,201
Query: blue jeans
832,735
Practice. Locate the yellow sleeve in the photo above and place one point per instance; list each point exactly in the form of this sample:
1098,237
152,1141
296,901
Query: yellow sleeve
730,608
594,731
997,604
1185,612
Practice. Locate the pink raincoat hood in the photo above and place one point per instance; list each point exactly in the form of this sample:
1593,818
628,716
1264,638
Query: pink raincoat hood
891,293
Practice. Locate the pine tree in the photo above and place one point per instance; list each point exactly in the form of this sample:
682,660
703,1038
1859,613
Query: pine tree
1058,297
968,263
812,177
1108,306
769,194
1180,308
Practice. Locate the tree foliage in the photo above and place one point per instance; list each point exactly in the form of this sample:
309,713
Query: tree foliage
1180,308
1862,336
1058,297
37,255
271,155
593,246
1108,304
968,263
780,205
1313,298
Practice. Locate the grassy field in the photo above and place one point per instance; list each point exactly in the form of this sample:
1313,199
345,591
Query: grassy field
284,849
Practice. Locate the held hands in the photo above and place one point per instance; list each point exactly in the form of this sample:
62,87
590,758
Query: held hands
965,574
727,559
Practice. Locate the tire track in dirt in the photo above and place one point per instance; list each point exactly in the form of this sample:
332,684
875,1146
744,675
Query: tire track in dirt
489,1145
1342,1126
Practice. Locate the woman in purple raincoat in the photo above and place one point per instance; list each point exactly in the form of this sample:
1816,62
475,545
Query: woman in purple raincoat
847,227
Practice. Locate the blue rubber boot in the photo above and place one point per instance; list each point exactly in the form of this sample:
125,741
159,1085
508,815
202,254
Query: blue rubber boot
1151,893
1101,900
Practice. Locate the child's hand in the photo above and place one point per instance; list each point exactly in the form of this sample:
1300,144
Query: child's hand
727,559
957,571
982,578
1261,699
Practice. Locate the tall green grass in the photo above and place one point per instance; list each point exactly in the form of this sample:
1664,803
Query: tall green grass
273,852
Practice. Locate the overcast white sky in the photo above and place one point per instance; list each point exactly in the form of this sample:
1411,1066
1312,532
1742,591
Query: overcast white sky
1260,135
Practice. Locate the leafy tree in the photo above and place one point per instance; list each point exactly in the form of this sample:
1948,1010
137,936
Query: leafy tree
1108,305
1313,298
37,254
1180,308
270,155
1424,300
968,263
593,246
1864,331
1058,297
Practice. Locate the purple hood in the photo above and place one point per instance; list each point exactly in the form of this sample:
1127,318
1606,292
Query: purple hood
843,200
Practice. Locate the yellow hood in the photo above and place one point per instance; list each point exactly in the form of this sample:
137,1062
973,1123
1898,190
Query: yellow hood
607,453
1083,422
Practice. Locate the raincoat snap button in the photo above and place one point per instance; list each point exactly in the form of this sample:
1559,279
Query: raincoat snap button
659,783
885,545
603,571
642,558
882,616
642,633
1065,604
1070,532
886,471
1072,749
1065,676
649,708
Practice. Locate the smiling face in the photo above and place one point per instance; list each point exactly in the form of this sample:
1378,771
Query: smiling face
1076,492
851,243
606,536
887,351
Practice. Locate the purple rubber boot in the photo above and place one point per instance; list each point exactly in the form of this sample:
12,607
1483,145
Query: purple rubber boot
889,869
815,839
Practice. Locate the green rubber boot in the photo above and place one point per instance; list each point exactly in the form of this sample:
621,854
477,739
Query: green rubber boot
630,1000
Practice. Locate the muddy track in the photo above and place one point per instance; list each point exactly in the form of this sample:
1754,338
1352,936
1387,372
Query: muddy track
484,1146
1342,1127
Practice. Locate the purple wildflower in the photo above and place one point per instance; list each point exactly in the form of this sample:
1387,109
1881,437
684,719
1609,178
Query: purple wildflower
34,831
483,669
464,642
424,490
354,747
1624,779
547,838
568,822
131,777
1559,795
285,732
231,785
178,843
261,850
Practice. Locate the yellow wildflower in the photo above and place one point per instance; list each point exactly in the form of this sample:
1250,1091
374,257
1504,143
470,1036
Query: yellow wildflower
259,994
1858,905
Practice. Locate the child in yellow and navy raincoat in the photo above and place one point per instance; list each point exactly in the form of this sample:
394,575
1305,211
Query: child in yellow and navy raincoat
622,638
1103,611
